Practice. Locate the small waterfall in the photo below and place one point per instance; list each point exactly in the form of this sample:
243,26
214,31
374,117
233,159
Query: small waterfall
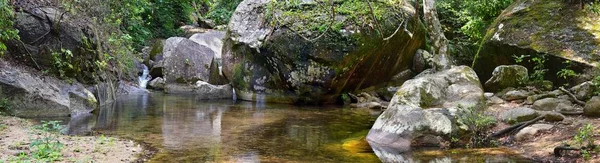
143,80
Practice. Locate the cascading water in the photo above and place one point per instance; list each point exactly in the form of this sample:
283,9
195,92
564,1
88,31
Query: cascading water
143,80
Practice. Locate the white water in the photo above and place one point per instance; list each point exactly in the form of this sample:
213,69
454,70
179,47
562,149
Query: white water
143,80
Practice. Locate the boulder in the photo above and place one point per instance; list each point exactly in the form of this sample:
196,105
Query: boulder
562,31
202,90
549,104
31,95
185,61
263,59
584,91
516,115
422,61
565,107
127,89
157,83
530,131
211,39
427,106
506,76
592,107
553,116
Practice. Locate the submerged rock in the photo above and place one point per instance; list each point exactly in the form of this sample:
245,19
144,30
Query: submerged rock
427,106
280,65
506,76
592,107
31,95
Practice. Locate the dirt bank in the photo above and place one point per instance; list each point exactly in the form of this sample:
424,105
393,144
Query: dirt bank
18,144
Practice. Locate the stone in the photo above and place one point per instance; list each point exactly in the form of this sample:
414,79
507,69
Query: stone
157,83
565,107
532,130
553,116
515,95
186,61
211,39
274,62
427,106
592,107
549,104
127,89
488,95
516,115
509,35
422,61
33,95
495,100
506,76
584,91
202,90
369,105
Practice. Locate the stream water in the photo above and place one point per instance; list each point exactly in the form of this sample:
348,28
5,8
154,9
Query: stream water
183,129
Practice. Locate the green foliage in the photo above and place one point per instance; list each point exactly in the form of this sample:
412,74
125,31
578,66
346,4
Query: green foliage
5,106
47,147
477,125
7,31
539,61
585,139
222,10
566,72
594,7
62,62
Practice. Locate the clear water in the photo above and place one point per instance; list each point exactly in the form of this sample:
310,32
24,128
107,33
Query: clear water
186,130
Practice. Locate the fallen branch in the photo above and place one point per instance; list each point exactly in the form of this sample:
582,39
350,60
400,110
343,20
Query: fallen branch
579,102
557,150
516,127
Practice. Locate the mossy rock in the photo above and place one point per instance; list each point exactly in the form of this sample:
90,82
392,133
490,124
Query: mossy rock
555,28
314,61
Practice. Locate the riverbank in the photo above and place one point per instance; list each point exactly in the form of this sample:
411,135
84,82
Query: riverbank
21,140
539,145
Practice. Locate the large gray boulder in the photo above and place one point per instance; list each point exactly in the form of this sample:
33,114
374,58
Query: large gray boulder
211,39
185,61
592,107
521,114
549,104
506,76
427,106
293,63
202,90
31,95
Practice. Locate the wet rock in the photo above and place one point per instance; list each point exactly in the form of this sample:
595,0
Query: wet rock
276,62
584,91
506,76
81,100
128,88
157,83
532,130
427,106
202,90
516,115
515,95
549,104
592,107
553,116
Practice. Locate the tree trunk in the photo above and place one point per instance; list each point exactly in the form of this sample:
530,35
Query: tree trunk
439,43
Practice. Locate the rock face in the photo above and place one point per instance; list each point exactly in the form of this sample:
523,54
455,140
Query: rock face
518,115
427,106
33,96
563,31
280,65
592,107
202,90
44,30
506,76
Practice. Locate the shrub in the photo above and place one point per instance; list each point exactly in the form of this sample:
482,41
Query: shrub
7,31
477,127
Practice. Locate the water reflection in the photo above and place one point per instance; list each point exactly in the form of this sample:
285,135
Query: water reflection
187,130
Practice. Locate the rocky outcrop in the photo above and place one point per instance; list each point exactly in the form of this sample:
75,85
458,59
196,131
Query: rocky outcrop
427,106
284,66
202,90
185,61
561,30
592,107
32,95
506,76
